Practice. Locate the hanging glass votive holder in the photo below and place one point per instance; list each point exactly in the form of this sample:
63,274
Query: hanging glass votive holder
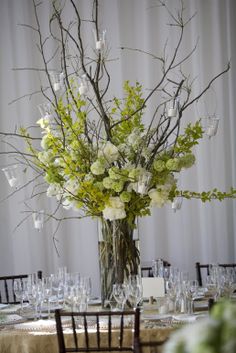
100,40
45,110
12,174
83,88
57,80
212,126
38,219
177,203
143,183
173,109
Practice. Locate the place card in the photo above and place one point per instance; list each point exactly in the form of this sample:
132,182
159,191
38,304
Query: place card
153,287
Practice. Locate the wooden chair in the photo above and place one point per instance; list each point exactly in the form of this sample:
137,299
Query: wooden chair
147,271
7,295
102,337
200,267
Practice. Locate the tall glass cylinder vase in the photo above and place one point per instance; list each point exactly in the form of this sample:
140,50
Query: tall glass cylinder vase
119,254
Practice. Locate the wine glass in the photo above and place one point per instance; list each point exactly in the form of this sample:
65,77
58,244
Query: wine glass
19,287
120,294
191,289
135,293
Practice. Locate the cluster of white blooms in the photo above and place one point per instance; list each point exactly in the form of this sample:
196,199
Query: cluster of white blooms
115,209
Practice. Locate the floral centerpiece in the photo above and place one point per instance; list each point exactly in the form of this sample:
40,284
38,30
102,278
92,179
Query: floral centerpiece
97,155
215,334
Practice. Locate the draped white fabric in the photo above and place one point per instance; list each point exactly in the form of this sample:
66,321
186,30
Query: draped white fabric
197,232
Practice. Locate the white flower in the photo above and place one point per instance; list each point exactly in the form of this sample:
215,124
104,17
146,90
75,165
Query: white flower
115,209
43,122
67,204
97,168
135,138
158,197
54,190
44,142
110,152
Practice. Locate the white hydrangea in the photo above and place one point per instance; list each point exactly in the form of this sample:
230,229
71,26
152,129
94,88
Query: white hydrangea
115,209
110,152
97,168
158,197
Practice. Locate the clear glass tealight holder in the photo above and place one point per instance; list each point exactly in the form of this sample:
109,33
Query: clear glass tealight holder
57,80
38,219
177,203
12,174
100,40
143,183
212,126
173,108
45,109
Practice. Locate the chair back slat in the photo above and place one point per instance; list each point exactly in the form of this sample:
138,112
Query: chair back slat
94,341
98,331
6,290
74,331
7,295
200,267
86,331
121,331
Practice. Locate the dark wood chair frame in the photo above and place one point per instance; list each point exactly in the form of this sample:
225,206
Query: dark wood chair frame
200,266
8,285
98,347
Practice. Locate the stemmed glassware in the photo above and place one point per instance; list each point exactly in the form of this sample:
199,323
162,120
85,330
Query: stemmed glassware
134,293
47,292
191,290
120,294
20,291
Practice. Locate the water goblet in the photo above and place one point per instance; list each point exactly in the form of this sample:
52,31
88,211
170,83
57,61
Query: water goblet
120,294
134,293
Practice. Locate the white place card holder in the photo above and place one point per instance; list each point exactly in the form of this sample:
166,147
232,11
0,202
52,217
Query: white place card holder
153,287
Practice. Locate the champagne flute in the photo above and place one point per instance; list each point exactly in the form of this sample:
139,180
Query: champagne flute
47,292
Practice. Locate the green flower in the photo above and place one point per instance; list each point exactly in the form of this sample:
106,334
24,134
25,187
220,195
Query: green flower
107,183
159,165
173,164
134,174
117,186
114,173
125,196
187,160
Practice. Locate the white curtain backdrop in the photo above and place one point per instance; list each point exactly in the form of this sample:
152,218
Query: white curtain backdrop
197,232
